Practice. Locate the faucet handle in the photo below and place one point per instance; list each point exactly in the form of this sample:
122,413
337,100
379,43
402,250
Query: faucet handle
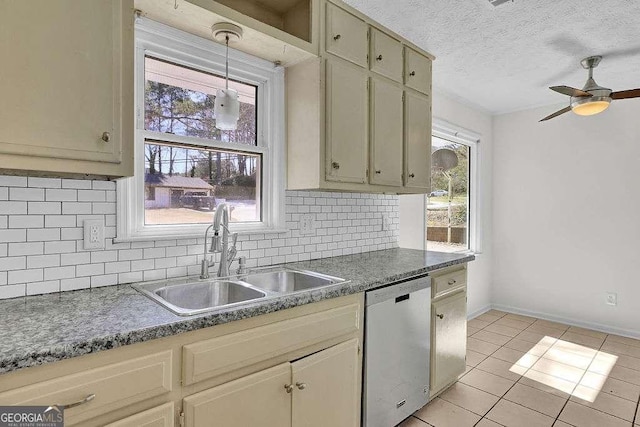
242,265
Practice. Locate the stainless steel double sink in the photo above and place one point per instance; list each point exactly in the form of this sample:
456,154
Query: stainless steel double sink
191,297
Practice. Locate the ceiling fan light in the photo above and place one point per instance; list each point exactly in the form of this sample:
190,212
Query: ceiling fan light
590,108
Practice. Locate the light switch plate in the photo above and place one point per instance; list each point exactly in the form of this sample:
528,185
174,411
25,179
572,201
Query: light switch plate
386,222
93,234
612,298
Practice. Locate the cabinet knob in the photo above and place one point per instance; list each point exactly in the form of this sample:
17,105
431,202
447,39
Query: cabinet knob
288,388
379,58
301,386
337,37
378,172
413,73
452,282
412,175
106,136
335,165
440,316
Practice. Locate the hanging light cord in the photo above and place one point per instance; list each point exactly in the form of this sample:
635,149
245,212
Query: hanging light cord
227,62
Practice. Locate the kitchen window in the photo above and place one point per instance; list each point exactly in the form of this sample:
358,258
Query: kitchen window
184,165
452,204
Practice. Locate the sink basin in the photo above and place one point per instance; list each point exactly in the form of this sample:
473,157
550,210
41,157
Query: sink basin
286,281
197,297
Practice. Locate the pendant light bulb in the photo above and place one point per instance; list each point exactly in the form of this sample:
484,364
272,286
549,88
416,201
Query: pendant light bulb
226,108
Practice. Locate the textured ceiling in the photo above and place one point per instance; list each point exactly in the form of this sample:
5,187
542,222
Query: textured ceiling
503,59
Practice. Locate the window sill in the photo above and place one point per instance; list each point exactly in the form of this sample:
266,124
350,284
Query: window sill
149,237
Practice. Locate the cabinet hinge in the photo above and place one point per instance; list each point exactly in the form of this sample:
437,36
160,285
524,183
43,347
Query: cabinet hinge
403,96
181,419
358,348
367,173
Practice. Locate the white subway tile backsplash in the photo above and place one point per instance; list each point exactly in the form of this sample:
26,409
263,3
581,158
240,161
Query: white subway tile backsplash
47,287
13,291
75,284
24,276
41,235
47,208
36,182
61,195
40,261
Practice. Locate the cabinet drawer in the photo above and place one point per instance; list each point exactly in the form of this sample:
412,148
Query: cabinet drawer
210,358
449,281
386,55
346,35
114,386
160,416
417,71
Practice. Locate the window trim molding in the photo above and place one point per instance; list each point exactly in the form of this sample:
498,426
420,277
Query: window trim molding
451,132
163,42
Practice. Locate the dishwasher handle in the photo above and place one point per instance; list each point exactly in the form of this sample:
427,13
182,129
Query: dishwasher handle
397,291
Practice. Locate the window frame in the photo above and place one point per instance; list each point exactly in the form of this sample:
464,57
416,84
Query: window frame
448,131
165,43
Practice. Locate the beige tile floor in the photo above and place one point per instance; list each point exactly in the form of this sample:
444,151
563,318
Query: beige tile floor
527,372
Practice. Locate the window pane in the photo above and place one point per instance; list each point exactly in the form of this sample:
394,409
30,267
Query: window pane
183,185
179,100
448,202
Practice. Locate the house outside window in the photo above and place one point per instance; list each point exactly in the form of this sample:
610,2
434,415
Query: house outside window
185,166
452,204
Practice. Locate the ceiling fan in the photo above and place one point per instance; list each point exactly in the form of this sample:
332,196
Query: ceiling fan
591,99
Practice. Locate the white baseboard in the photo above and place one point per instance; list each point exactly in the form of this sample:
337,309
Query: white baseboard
567,321
478,312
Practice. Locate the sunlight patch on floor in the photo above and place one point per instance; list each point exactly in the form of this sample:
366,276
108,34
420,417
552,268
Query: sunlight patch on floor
572,368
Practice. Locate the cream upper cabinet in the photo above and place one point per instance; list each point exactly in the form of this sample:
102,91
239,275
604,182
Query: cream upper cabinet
340,133
68,71
260,399
326,388
386,55
417,71
386,133
347,114
346,36
417,119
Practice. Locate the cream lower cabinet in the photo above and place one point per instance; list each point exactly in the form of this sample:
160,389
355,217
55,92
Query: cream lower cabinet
318,390
301,366
448,328
68,71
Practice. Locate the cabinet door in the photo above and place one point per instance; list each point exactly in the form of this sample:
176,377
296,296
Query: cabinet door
160,416
417,71
326,388
386,133
386,55
68,71
418,140
347,123
346,35
449,347
260,399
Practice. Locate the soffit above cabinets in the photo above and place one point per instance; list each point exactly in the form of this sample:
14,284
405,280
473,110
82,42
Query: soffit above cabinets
278,32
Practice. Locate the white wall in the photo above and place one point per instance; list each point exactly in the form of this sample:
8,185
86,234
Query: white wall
412,224
566,209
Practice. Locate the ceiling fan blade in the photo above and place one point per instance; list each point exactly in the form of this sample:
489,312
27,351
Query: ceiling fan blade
626,94
557,113
570,91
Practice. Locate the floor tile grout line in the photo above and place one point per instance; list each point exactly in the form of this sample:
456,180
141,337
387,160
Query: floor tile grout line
539,357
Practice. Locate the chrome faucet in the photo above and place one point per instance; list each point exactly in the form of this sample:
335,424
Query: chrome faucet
219,244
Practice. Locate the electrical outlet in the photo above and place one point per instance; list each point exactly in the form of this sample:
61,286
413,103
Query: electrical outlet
307,224
386,222
612,298
93,234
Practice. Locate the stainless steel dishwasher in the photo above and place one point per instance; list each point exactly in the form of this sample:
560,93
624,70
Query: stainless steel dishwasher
397,351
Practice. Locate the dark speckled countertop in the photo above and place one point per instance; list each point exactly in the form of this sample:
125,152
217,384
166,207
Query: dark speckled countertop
42,329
